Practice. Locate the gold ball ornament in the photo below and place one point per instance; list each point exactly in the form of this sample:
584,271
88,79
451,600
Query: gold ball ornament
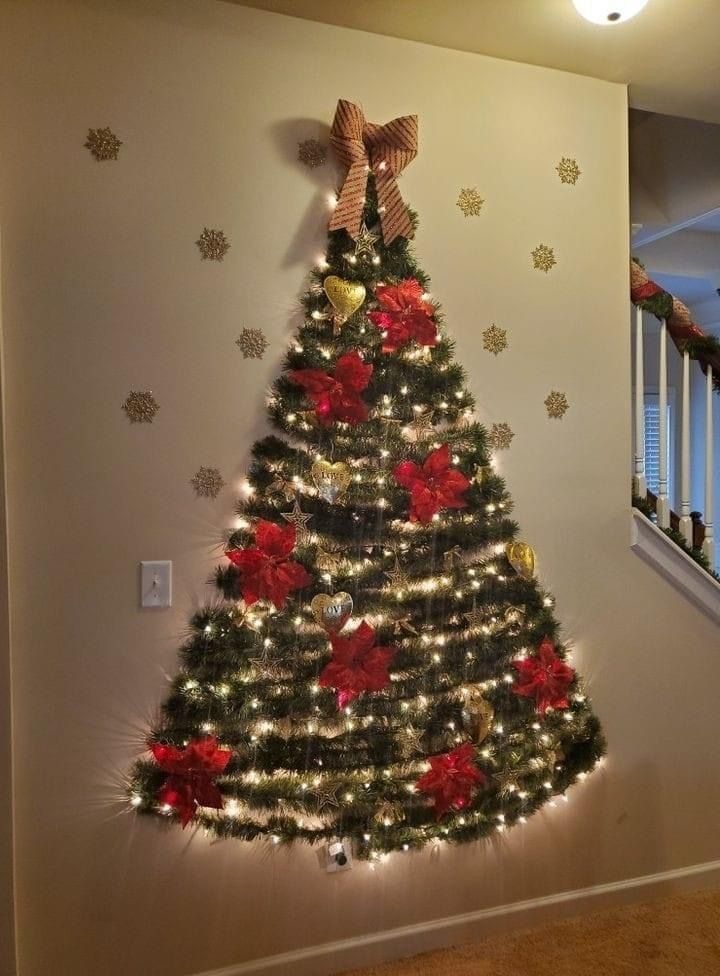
345,297
521,557
332,612
331,480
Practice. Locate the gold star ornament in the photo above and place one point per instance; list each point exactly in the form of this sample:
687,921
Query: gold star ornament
474,618
103,144
300,520
421,426
207,482
501,436
252,343
556,404
494,339
470,202
213,244
398,578
543,258
365,243
568,170
140,407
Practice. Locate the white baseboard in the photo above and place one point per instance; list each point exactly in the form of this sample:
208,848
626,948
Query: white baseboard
367,950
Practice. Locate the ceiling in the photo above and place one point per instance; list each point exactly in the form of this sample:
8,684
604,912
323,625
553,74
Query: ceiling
669,54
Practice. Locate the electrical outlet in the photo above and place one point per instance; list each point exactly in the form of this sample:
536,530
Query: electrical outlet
338,856
156,584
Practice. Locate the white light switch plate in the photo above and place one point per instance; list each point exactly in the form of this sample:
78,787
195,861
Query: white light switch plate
156,583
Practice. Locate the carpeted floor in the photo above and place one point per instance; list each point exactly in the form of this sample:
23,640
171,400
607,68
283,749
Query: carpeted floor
673,937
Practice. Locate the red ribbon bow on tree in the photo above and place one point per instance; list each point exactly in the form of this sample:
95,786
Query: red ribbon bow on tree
545,677
265,570
452,779
336,395
383,149
357,665
191,773
404,315
434,486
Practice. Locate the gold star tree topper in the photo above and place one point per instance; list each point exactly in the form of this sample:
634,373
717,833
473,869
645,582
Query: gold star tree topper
494,339
470,201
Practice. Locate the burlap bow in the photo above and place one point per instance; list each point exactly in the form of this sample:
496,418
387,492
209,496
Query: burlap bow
384,149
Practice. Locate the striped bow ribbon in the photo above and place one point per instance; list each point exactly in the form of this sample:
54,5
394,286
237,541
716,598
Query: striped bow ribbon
383,149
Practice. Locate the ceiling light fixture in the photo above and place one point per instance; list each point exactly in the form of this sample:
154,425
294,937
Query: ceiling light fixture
608,11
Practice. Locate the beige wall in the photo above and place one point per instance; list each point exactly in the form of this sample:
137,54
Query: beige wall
103,292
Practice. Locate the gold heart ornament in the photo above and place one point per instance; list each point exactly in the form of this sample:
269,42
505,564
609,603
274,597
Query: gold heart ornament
332,612
345,297
331,480
521,557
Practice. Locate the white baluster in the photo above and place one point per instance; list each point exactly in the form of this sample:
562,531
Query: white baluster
663,502
686,525
709,543
639,481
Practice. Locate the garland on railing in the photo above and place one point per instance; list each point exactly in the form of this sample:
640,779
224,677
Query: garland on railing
686,335
644,506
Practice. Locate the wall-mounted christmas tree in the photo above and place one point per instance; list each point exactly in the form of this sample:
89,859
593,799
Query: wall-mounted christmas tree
382,664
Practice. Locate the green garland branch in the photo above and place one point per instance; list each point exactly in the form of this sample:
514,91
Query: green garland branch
644,506
686,334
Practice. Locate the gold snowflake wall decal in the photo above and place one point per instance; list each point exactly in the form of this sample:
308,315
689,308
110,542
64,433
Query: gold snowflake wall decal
140,406
252,343
494,339
103,144
557,404
312,153
568,170
207,482
213,244
543,258
470,201
501,436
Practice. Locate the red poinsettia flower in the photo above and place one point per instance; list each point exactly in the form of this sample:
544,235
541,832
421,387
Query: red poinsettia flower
336,395
404,315
544,677
356,665
266,572
452,779
434,486
190,782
